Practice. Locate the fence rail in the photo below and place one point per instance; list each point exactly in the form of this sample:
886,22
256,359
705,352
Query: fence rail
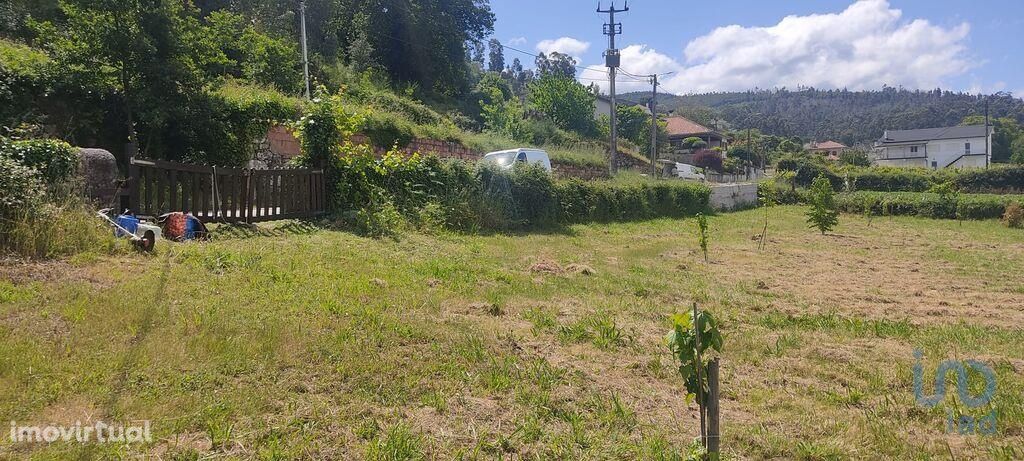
224,194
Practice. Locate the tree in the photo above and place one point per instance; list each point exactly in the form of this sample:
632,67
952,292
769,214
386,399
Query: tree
693,142
150,50
743,154
708,159
565,101
634,123
556,64
244,52
823,214
517,77
496,58
418,41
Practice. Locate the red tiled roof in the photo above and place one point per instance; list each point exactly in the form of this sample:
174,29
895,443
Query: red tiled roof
681,126
827,145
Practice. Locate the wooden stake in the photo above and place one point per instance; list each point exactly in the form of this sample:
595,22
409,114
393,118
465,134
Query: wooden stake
700,383
713,416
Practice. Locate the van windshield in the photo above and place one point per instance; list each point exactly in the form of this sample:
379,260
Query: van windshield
503,159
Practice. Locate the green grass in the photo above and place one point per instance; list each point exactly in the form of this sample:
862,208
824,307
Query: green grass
298,342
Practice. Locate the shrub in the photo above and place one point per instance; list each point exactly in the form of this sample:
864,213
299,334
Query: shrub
54,160
1013,217
380,219
807,168
20,188
823,214
223,125
708,159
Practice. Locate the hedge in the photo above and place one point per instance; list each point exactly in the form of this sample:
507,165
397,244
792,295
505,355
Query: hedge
999,179
961,206
468,197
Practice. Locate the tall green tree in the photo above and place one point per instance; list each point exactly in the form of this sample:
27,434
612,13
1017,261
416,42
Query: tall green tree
152,51
556,64
565,101
415,41
496,56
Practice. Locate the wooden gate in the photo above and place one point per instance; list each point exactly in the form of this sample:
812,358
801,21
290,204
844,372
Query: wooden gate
224,194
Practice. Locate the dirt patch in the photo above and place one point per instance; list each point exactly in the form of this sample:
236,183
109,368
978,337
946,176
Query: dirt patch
546,267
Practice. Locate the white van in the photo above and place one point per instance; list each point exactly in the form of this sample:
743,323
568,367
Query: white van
687,171
507,158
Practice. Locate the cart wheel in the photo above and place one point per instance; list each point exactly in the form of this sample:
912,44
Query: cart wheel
147,242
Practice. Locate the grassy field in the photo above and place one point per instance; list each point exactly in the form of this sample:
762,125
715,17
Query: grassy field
296,342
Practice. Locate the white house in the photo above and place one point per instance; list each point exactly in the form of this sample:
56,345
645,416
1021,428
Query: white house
950,147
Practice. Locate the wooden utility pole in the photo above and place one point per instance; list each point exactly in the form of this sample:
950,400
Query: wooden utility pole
654,126
611,59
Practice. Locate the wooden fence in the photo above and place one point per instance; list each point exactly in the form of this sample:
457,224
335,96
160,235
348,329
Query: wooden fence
224,194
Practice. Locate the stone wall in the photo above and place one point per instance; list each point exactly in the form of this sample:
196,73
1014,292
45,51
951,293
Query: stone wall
275,149
565,170
443,149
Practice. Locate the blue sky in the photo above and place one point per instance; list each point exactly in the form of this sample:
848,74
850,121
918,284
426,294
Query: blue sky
975,46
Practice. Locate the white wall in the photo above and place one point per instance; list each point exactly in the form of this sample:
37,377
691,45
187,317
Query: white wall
943,152
602,107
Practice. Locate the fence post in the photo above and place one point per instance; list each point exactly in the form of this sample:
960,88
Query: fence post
713,416
133,186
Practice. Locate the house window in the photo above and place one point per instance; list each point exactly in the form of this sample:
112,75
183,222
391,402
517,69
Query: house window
967,148
913,149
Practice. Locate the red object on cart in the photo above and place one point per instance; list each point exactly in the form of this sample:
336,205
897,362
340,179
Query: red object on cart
174,226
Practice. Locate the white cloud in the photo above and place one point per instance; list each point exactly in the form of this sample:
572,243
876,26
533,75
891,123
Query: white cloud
863,47
637,60
564,45
516,41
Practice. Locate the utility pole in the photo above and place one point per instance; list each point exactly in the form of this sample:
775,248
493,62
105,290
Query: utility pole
988,152
305,52
611,60
654,126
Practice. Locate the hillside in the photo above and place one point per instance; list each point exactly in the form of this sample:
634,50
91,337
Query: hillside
850,117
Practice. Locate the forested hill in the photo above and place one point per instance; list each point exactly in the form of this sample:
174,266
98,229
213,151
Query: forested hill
850,117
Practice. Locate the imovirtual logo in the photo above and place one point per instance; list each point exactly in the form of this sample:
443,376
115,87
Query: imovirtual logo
978,423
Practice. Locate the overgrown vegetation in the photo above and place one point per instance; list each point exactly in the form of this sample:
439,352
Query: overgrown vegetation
40,214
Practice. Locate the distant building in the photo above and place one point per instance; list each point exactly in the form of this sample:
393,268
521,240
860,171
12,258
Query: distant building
949,147
829,149
680,128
